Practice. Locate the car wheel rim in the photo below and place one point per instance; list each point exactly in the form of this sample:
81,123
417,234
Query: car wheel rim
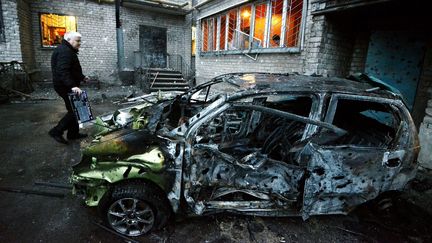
130,216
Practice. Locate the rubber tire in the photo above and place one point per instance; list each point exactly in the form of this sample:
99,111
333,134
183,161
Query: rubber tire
144,191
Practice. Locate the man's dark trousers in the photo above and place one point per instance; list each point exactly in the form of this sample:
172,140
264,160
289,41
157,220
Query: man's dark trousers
68,122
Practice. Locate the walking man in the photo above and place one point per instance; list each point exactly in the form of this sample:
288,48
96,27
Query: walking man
67,76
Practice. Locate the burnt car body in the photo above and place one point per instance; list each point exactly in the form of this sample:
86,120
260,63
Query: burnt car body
263,144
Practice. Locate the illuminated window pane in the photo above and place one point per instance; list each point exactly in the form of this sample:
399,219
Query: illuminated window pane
222,33
260,21
53,28
232,25
205,35
276,23
245,20
293,23
245,16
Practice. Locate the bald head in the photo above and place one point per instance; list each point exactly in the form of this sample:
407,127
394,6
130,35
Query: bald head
74,38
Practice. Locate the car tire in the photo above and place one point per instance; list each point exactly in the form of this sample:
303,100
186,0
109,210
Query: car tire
134,208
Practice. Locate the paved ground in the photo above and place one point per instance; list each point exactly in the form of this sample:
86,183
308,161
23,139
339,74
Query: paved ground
29,155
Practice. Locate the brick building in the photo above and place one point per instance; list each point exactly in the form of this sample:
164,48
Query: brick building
30,31
323,37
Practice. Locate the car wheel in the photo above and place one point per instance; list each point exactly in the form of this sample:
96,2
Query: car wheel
134,208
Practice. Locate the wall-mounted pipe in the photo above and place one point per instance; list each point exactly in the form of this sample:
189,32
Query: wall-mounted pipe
159,2
119,35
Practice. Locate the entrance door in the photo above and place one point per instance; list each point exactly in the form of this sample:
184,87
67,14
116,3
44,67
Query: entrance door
153,46
395,57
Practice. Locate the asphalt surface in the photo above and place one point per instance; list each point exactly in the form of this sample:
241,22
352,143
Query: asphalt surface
30,212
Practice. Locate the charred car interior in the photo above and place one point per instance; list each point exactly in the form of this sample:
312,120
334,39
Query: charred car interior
250,143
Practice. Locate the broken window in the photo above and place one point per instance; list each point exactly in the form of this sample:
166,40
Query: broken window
54,26
240,132
243,154
274,23
368,123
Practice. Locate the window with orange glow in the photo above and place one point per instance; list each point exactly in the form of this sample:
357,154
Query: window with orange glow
205,36
260,24
276,23
293,23
222,32
54,26
245,16
232,25
211,36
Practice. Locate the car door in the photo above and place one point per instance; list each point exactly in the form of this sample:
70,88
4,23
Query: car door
240,155
349,170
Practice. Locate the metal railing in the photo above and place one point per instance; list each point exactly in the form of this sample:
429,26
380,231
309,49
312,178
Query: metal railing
177,63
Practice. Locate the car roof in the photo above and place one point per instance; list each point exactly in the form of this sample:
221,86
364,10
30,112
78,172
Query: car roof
297,82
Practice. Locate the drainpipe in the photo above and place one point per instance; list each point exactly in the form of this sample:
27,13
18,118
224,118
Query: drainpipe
119,32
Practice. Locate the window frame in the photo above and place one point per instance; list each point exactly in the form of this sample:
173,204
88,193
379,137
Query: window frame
265,43
41,28
394,105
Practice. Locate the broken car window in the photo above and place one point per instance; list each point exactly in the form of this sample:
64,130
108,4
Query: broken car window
368,123
241,131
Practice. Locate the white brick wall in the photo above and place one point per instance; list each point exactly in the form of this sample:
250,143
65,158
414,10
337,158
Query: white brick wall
96,22
179,32
10,50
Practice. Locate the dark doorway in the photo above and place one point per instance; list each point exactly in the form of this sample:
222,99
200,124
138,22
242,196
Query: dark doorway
153,46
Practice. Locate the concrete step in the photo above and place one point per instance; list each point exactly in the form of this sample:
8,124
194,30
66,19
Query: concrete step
181,80
169,88
162,70
170,84
166,74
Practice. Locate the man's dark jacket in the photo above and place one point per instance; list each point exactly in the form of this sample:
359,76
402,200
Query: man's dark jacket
66,68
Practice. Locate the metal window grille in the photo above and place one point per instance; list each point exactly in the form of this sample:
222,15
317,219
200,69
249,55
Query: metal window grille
222,32
210,34
204,36
232,25
263,24
245,25
260,21
293,23
276,23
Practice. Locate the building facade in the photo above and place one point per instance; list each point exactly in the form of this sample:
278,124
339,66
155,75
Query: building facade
32,29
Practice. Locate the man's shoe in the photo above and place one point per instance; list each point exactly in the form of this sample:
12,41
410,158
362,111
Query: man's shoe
59,138
77,136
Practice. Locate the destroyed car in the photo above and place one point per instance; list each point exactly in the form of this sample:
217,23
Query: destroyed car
250,143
